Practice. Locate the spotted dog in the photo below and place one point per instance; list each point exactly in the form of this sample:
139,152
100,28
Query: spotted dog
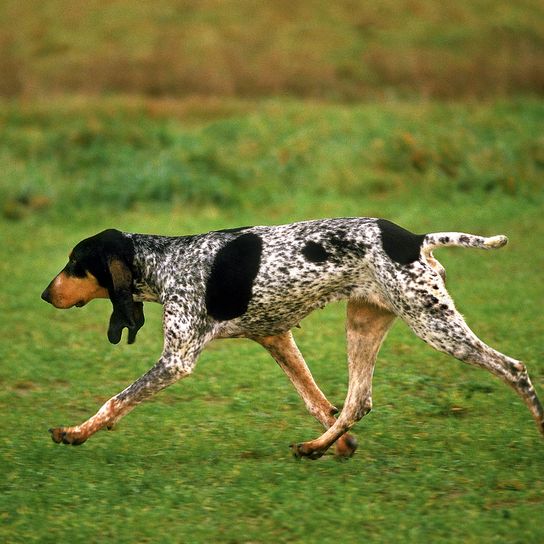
259,283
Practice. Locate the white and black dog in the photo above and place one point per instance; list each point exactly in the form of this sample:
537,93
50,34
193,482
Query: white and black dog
260,282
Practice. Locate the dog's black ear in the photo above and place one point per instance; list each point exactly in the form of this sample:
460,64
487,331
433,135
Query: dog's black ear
126,312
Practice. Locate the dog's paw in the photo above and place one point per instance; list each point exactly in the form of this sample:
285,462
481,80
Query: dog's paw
346,446
303,450
67,436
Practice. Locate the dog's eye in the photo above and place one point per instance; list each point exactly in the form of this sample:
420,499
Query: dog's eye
75,269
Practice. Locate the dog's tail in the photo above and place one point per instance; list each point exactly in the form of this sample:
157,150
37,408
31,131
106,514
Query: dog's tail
444,239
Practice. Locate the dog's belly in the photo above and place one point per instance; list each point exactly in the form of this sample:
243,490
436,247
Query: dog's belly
276,310
267,319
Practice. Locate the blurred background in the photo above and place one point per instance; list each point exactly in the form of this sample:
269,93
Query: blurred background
345,50
233,103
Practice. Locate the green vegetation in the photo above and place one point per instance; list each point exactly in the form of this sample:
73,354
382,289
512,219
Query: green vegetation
449,454
336,50
120,156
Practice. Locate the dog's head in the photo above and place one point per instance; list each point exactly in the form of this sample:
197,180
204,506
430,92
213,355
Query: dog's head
100,267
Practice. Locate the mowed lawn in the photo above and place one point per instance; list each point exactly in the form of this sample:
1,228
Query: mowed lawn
448,454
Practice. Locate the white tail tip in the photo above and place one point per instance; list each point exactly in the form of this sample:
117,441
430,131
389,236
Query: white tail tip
496,241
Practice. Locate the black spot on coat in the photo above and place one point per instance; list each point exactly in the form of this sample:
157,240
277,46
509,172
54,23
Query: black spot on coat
315,252
343,246
229,287
401,245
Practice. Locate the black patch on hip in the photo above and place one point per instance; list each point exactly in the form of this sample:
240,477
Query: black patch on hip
229,287
315,252
401,245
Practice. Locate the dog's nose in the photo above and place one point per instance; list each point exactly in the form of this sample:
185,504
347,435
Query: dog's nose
46,296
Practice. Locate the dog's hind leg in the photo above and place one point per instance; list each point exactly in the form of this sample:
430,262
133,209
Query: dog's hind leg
286,353
367,326
417,295
444,328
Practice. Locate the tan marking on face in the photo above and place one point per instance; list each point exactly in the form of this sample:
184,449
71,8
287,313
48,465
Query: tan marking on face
67,291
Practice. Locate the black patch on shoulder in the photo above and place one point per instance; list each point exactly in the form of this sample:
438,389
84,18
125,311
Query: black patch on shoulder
234,230
229,287
401,245
315,252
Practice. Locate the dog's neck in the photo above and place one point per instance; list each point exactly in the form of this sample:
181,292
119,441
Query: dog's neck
151,257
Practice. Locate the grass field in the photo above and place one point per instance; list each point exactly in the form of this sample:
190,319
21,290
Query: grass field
448,454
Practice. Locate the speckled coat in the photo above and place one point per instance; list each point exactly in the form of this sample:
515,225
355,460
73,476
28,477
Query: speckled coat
260,282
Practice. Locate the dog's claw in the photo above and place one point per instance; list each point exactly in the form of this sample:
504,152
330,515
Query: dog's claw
299,451
59,435
345,447
294,451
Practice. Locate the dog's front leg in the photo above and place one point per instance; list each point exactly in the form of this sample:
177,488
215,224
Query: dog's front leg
181,349
165,372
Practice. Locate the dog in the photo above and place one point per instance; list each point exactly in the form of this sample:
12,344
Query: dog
260,282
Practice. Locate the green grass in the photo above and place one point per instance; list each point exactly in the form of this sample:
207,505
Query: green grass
122,155
449,454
